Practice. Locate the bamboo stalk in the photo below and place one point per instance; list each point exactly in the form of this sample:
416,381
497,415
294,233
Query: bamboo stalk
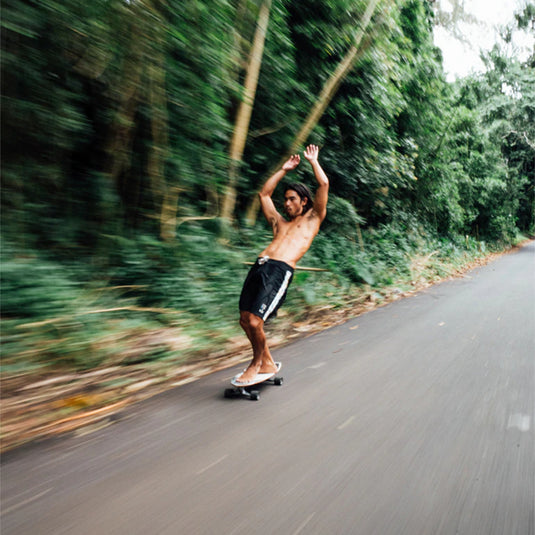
243,117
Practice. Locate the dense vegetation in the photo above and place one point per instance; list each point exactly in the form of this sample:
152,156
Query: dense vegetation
130,163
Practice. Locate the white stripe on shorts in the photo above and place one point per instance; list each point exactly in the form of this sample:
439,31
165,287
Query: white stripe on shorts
279,295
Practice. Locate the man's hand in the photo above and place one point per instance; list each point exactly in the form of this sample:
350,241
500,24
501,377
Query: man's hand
291,163
311,153
322,193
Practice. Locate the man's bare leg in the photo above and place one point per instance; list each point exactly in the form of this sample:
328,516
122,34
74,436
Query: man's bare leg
262,360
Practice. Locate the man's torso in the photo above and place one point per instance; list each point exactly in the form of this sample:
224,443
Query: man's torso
292,239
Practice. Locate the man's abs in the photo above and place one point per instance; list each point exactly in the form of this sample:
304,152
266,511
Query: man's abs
291,243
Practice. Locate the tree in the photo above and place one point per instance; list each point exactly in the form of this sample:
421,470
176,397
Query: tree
243,116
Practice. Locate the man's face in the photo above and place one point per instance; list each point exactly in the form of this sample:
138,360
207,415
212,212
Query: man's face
293,204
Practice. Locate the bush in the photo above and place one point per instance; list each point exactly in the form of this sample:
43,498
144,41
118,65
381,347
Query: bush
34,288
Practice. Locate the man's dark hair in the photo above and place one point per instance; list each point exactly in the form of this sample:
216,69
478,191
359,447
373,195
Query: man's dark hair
303,192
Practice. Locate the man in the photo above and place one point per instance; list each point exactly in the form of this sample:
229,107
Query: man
265,288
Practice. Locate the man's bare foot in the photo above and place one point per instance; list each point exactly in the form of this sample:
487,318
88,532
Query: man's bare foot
249,374
268,367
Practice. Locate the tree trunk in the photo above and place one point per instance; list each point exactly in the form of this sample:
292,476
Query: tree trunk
243,116
329,90
168,216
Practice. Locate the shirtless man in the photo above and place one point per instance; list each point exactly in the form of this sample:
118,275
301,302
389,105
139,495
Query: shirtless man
265,288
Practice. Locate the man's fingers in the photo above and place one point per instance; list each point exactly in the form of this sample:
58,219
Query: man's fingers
311,151
292,162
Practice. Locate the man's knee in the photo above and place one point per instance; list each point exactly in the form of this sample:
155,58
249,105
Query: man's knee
250,322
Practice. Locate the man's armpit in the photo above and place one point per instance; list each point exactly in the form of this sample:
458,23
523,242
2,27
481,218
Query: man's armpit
274,223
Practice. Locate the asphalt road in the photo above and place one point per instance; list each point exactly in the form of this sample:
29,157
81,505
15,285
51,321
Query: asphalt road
416,418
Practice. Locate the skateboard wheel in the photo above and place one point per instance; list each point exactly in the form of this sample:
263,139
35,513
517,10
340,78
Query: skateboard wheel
255,395
229,393
278,381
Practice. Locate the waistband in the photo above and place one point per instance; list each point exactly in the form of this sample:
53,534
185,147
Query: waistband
261,260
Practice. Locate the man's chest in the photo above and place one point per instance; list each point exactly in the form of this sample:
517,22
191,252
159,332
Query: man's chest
302,230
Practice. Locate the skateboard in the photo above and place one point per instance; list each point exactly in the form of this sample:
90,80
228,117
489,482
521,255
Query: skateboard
245,390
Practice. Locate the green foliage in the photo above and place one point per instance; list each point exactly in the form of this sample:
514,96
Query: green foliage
199,85
342,218
34,289
192,276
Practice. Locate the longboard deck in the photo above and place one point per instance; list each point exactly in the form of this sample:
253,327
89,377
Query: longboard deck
244,390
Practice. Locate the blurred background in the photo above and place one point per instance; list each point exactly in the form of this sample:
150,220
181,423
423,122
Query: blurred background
136,134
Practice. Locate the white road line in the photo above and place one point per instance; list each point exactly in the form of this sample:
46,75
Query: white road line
346,423
211,465
25,502
316,366
303,525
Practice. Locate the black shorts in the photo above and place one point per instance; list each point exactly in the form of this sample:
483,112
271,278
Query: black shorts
264,289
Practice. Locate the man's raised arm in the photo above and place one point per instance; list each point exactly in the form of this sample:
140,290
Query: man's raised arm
268,208
322,192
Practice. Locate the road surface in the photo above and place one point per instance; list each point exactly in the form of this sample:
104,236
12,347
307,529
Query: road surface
416,418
